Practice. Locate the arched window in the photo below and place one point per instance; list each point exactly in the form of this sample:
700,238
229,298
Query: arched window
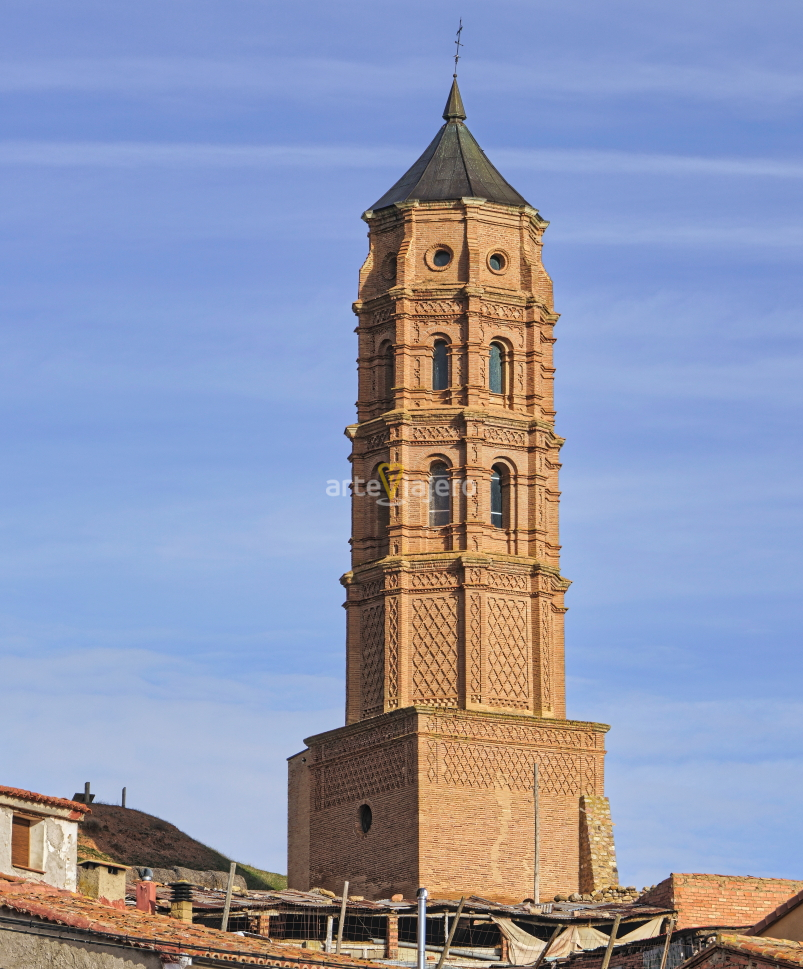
378,515
440,501
390,371
496,371
500,496
440,365
383,515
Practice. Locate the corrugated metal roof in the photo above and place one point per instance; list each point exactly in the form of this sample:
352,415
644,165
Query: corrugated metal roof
289,900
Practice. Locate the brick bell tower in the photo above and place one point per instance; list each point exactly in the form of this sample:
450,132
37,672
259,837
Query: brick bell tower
455,671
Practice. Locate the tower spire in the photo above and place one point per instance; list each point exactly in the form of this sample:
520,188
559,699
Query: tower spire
454,110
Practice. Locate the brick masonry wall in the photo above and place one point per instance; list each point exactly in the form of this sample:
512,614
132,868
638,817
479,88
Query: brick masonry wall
725,900
733,960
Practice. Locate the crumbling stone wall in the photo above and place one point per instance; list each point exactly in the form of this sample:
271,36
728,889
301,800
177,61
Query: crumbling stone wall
597,851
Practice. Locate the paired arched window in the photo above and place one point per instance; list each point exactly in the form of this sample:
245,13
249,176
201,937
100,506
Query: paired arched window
440,365
378,508
500,496
440,500
496,369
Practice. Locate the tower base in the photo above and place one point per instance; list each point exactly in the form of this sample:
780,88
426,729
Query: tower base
444,798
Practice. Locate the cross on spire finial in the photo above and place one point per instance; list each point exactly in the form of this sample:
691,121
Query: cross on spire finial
458,45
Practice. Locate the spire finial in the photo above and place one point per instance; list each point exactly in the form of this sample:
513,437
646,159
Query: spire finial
454,110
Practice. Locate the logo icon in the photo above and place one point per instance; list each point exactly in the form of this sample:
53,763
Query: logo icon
391,477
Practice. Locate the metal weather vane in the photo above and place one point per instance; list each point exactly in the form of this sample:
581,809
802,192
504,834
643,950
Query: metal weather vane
458,45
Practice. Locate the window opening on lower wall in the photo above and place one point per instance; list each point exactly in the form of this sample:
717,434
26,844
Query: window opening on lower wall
28,843
366,816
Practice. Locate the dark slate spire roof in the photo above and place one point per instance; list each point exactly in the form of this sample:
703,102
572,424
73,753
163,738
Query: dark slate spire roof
453,167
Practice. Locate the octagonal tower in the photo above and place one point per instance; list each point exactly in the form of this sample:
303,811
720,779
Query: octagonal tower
455,673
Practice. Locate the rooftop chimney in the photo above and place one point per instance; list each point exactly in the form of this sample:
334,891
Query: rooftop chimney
181,901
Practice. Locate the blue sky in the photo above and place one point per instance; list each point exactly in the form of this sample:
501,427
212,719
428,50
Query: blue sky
181,186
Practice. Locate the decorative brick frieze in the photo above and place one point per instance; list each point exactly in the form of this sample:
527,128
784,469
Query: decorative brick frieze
432,579
504,767
513,731
502,311
339,743
353,779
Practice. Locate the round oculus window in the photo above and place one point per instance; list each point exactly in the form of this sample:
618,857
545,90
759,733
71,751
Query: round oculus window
390,267
366,818
439,257
497,262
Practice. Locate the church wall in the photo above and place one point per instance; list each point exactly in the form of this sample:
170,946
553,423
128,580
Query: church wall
451,798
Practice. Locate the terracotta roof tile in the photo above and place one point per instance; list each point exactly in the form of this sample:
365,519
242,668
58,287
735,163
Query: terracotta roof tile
61,802
157,932
781,950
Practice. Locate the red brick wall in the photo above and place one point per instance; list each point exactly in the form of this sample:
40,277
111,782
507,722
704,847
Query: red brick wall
724,900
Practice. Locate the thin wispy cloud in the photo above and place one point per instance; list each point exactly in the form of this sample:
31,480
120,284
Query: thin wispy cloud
571,160
307,77
180,155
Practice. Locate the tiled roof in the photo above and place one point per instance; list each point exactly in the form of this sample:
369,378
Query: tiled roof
779,950
60,802
776,914
158,932
452,167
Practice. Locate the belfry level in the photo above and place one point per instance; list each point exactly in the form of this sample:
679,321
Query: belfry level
455,671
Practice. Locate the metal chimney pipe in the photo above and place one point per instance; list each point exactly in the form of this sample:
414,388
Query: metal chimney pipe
422,928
